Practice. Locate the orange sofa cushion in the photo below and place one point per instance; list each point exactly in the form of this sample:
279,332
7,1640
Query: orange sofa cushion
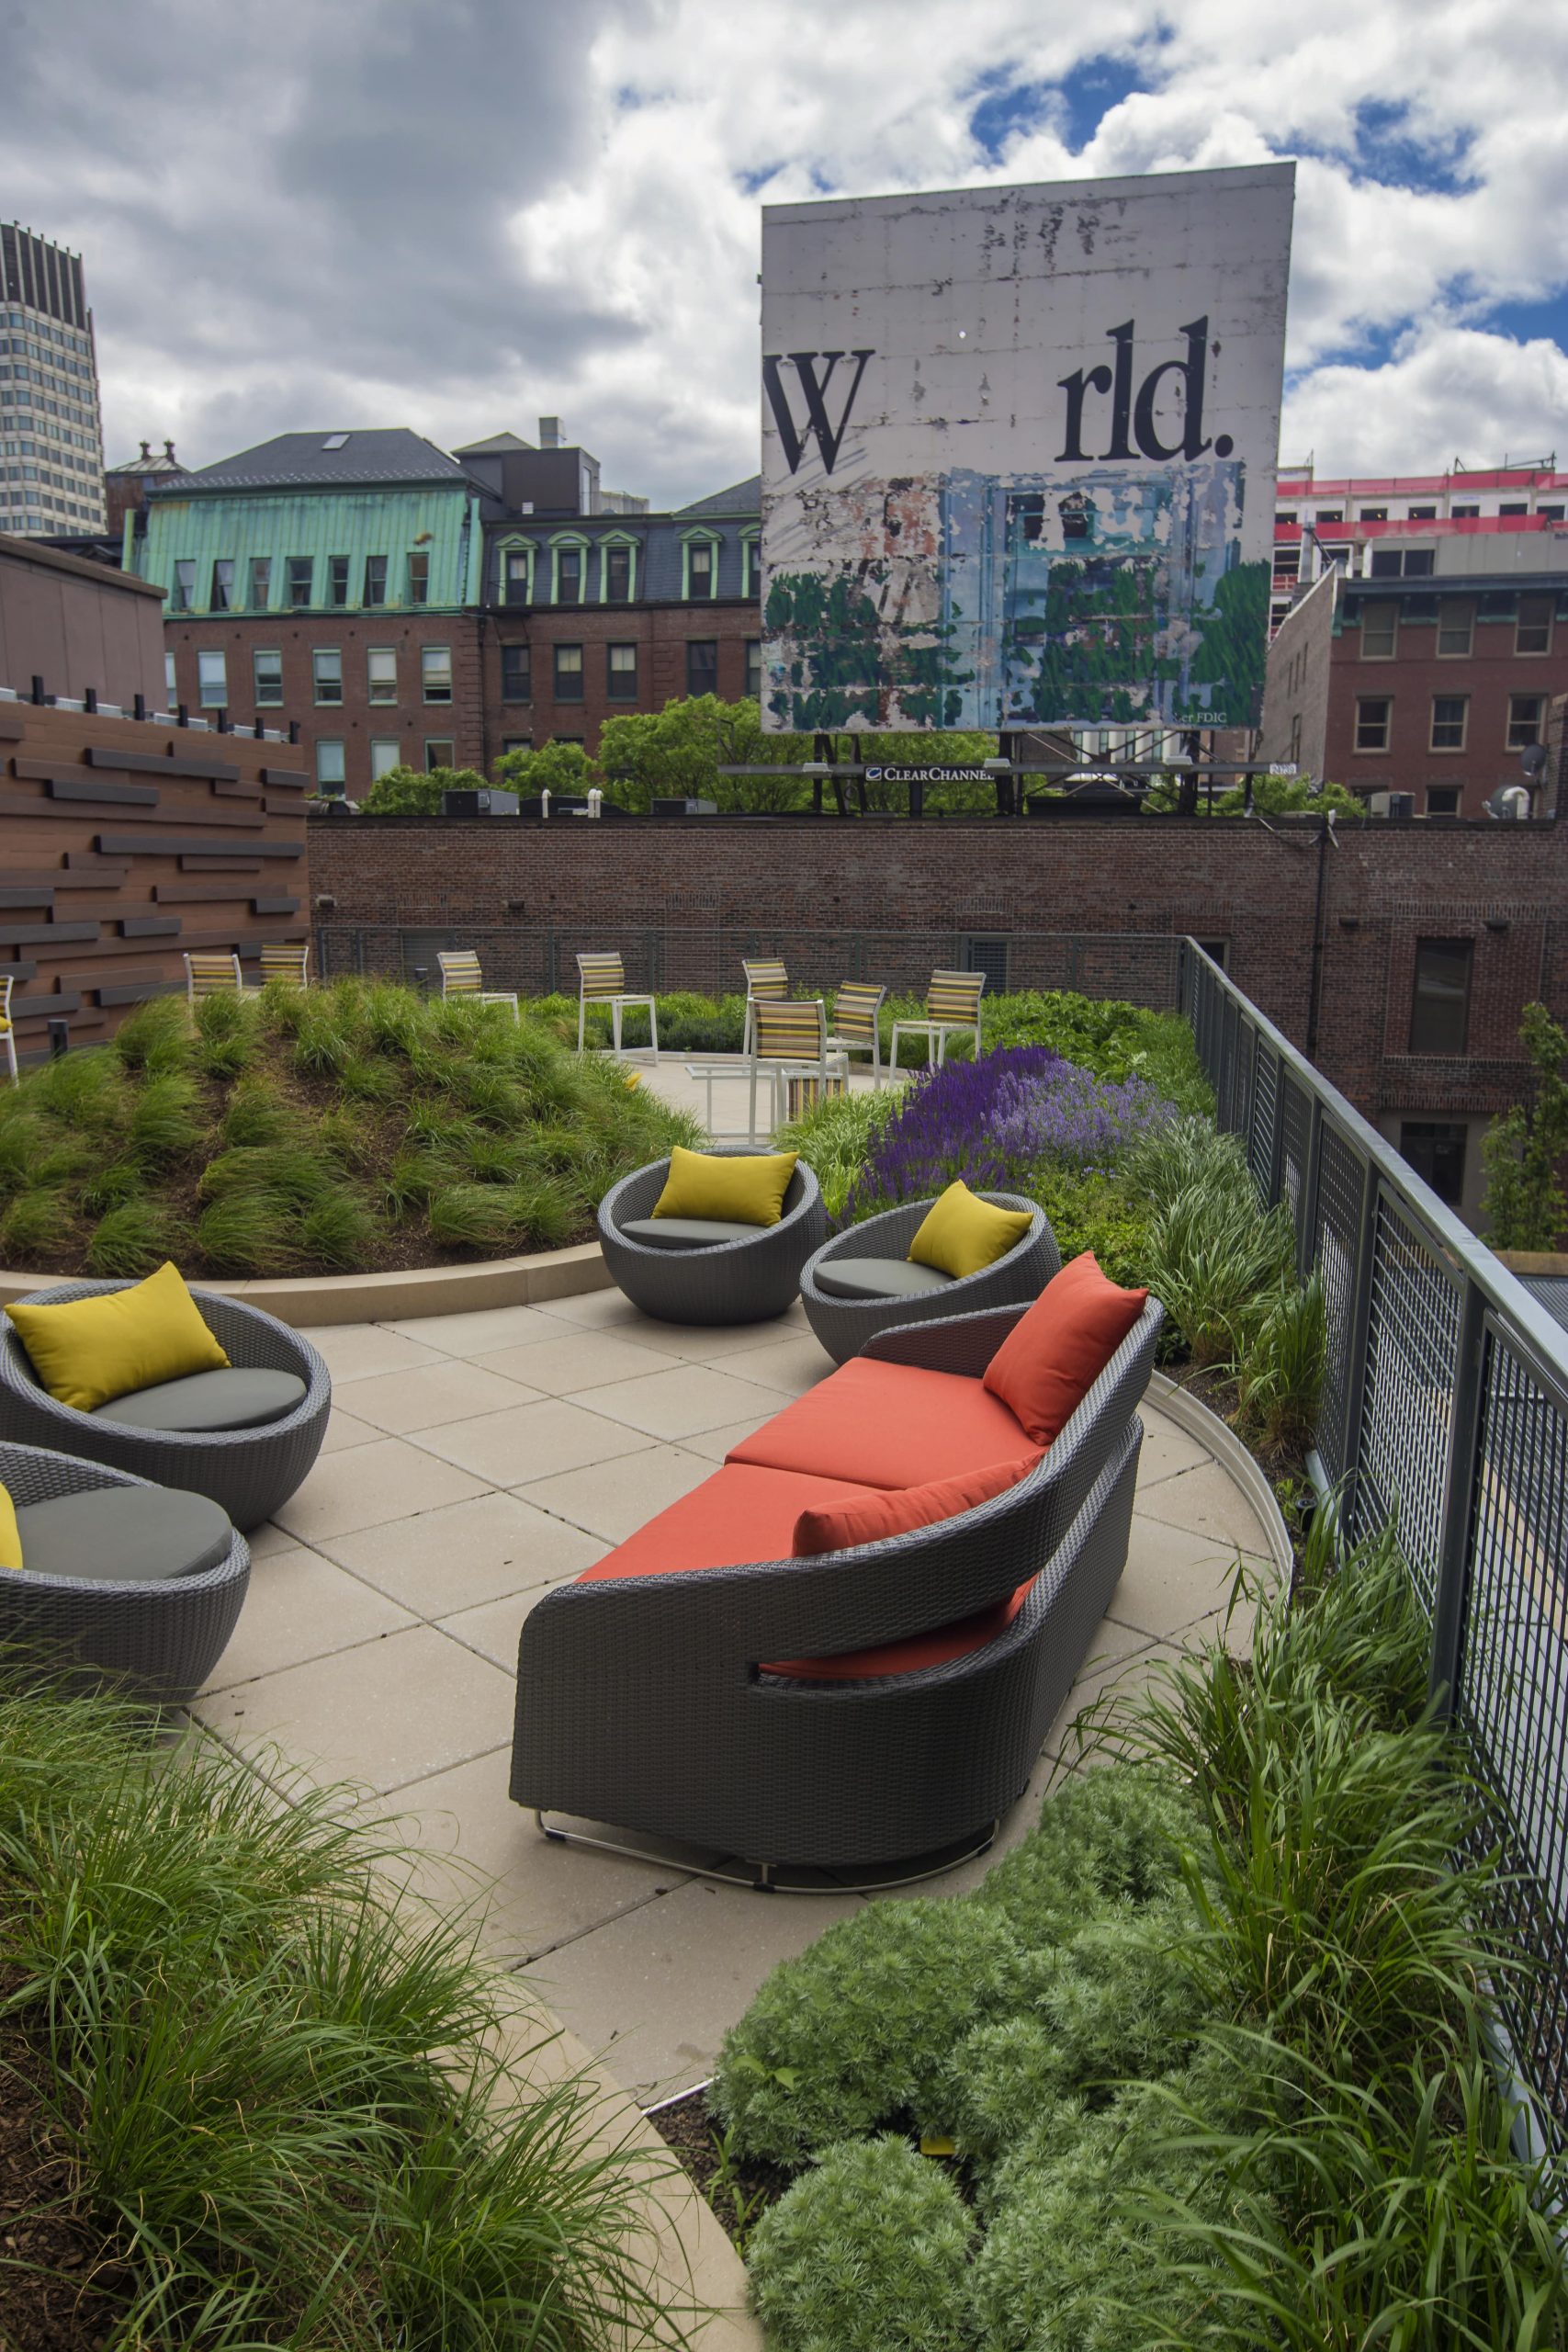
938,1647
738,1515
899,1510
1055,1353
875,1424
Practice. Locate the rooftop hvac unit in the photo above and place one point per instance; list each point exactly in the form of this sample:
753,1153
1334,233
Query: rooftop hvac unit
479,804
1392,803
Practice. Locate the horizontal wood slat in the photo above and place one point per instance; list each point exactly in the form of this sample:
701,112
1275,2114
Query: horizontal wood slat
220,866
150,926
12,724
42,935
206,766
190,845
295,777
25,895
132,796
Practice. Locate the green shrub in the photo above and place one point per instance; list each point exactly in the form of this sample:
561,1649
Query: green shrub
112,1186
84,1090
1282,1369
225,1034
165,1125
833,1139
248,1233
157,1036
256,1114
1216,1261
868,2251
1091,1211
339,1230
36,1221
472,1216
133,1239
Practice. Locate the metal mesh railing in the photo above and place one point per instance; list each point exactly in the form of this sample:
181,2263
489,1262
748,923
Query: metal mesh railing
1444,1409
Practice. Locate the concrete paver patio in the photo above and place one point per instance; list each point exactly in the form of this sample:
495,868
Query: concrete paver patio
475,1460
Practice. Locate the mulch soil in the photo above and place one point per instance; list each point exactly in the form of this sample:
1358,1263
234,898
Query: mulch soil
61,2285
691,2131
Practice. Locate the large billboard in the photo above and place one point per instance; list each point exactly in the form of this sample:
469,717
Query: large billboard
1018,453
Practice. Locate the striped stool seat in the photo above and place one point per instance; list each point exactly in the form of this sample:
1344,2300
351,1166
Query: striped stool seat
289,967
461,977
601,979
767,982
210,974
952,1007
857,1022
789,1043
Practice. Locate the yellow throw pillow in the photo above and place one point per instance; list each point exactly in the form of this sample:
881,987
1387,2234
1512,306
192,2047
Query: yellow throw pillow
87,1350
963,1235
10,1540
730,1187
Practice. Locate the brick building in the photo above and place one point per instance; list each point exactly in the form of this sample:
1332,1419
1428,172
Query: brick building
1432,683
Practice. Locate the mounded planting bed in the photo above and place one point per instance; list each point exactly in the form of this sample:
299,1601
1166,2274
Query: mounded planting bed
354,1128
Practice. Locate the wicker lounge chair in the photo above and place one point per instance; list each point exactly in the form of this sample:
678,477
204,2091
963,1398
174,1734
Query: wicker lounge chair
727,1274
160,1636
247,1472
644,1700
915,1293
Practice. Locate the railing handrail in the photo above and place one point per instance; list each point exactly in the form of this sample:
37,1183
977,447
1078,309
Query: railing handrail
1501,1289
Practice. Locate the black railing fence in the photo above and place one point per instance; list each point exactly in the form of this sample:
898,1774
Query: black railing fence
1445,1407
540,959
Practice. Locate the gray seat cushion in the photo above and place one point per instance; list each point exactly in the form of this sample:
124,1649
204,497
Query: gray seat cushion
123,1536
238,1399
687,1232
877,1278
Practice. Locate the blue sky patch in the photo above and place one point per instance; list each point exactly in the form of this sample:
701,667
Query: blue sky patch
1075,105
1387,151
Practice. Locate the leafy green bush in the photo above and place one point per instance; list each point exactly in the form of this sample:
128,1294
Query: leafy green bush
416,792
277,2085
834,1137
1114,1039
868,2251
1092,1211
1283,1368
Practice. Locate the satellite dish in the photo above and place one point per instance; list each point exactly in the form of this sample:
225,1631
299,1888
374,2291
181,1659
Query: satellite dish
1510,801
1533,759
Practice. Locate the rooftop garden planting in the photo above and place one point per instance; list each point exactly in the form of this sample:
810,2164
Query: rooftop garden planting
333,1130
1200,2062
252,2099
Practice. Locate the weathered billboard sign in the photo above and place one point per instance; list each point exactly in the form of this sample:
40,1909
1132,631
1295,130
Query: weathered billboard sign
1019,449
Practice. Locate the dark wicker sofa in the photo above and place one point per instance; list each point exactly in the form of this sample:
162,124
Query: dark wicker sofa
643,1701
248,1473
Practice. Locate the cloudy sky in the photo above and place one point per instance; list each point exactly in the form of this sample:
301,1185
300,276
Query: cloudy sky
460,214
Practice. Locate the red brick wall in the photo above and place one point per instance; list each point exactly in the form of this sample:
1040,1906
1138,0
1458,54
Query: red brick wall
356,719
660,632
904,896
1492,672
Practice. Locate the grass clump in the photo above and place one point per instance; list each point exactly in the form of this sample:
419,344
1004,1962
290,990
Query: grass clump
336,1129
134,1240
278,2088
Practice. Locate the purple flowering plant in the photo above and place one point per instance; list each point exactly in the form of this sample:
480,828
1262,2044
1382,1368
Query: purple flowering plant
998,1122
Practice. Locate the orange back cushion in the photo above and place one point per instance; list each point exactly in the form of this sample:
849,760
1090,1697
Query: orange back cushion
899,1510
1053,1356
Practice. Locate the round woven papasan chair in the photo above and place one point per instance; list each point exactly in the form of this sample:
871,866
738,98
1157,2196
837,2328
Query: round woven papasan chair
158,1626
917,1293
738,1274
249,1473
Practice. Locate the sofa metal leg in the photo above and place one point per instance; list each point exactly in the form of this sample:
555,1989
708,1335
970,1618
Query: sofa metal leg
762,1877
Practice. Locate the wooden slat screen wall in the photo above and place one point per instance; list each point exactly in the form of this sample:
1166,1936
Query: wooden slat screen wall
122,843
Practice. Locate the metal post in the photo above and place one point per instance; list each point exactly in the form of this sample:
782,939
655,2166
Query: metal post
1454,1547
1356,1342
1306,1236
1277,1142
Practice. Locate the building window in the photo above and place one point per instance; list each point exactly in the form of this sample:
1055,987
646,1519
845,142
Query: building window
754,668
1371,514
375,579
1532,630
386,752
1434,1148
1549,513
1379,631
1374,717
439,752
569,576
1331,515
381,673
436,672
1287,563
1514,507
620,665
702,665
418,577
516,679
514,576
517,743
1525,713
330,770
1449,716
1465,513
1423,514
617,562
212,681
1456,628
267,668
701,568
326,669
261,583
222,585
1419,563
337,579
1439,1011
171,686
184,586
1443,799
301,579
1295,739
569,672
751,568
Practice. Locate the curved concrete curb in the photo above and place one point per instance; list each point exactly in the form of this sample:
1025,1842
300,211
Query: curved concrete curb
1227,1449
316,1299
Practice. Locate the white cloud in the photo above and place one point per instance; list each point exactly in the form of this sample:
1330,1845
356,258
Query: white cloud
457,214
